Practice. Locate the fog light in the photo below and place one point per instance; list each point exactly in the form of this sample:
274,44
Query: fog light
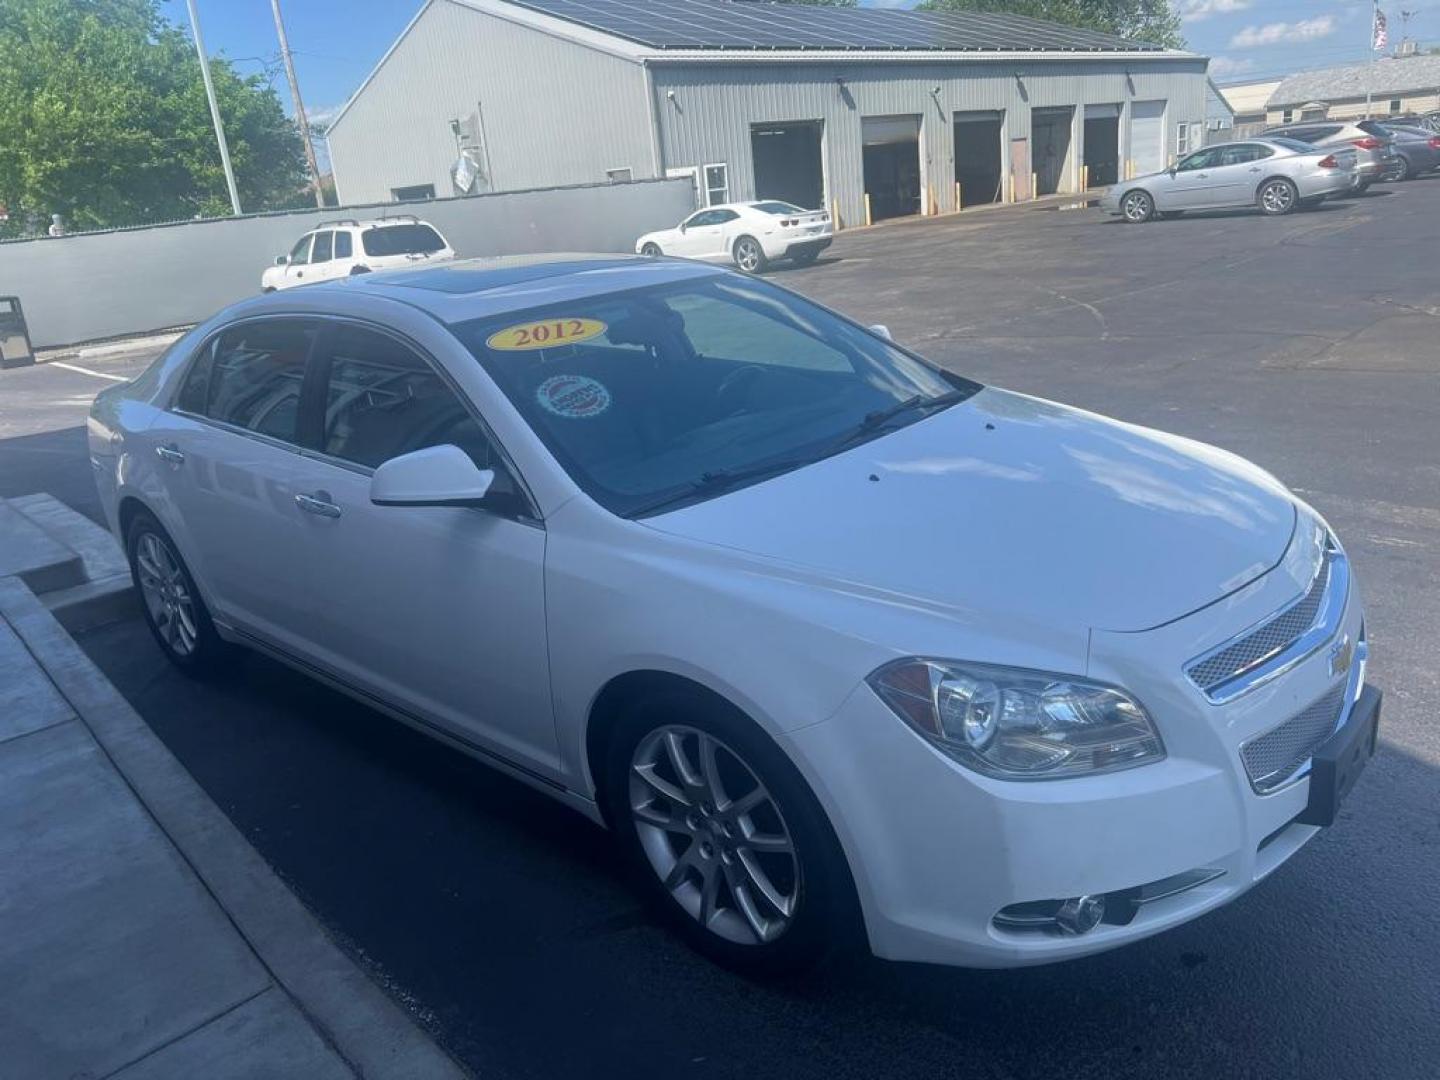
1080,914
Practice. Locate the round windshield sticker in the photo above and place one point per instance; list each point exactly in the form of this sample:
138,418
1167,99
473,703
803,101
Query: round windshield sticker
574,397
545,334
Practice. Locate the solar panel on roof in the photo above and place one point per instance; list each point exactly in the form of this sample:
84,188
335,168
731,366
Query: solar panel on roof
750,25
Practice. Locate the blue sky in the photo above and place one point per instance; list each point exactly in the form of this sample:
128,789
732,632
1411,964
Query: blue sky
338,42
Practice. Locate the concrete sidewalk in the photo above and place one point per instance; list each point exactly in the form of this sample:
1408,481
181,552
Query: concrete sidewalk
140,935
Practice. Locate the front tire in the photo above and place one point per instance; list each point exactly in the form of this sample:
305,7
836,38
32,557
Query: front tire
725,838
1137,207
1277,197
174,612
750,256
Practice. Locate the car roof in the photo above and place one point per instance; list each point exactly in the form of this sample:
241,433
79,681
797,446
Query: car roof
480,288
373,223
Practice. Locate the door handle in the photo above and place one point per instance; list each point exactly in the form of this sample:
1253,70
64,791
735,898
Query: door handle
318,504
170,454
1254,168
1203,176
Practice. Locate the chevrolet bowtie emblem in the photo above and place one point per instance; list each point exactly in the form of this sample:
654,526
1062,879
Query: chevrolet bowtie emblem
1341,656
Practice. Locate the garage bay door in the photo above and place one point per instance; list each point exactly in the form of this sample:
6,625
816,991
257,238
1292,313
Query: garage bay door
1147,136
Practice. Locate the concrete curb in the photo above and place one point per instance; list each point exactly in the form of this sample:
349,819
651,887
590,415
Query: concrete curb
361,1023
111,348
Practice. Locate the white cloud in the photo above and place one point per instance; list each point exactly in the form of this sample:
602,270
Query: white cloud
1282,33
1223,67
1195,10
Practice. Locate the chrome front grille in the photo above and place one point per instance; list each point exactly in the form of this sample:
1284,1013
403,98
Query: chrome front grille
1280,641
1265,641
1275,757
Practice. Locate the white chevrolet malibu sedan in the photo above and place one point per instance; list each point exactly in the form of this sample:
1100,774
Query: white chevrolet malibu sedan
840,645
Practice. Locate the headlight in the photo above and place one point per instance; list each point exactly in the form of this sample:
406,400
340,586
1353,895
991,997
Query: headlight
1016,724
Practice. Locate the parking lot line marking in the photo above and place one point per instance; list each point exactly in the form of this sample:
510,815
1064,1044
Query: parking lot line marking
87,371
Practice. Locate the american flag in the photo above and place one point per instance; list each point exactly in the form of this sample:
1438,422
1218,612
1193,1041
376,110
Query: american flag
1381,31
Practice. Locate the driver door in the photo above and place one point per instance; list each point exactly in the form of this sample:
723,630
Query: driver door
1189,186
704,235
439,611
297,269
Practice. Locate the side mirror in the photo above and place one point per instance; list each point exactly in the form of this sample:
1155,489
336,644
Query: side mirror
684,225
1173,170
881,330
282,260
435,476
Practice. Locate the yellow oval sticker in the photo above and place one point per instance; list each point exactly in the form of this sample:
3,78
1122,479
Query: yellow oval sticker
545,334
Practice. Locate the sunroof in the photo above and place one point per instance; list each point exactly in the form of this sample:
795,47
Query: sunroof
752,25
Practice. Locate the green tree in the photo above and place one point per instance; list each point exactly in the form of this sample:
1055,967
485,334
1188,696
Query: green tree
103,119
1153,21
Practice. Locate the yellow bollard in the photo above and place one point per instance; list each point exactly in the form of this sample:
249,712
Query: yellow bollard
1034,185
959,196
868,220
834,215
1084,177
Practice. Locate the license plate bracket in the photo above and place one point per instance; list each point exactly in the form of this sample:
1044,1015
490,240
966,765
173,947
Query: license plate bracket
1339,761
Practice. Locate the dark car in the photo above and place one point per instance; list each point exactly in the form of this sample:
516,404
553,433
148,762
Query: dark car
1415,149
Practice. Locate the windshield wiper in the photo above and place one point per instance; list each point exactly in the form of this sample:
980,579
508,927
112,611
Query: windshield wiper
877,420
718,480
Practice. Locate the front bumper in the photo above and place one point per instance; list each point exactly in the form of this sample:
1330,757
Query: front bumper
939,851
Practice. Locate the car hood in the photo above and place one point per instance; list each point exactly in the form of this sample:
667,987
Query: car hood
1010,504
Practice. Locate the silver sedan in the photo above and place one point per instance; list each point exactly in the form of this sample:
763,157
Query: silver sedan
1275,175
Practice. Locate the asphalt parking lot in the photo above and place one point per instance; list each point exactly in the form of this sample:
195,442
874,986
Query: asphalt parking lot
1308,344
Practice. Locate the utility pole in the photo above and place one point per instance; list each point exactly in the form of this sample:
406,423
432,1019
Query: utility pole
300,116
214,109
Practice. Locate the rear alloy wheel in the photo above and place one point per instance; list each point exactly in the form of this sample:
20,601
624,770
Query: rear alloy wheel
726,838
1137,207
1278,197
172,606
750,256
651,251
1398,171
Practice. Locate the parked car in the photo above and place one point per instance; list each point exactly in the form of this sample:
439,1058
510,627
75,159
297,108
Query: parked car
749,234
831,638
1372,149
339,248
1416,151
1275,175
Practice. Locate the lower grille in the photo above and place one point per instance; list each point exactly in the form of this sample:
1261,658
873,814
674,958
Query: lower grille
1273,758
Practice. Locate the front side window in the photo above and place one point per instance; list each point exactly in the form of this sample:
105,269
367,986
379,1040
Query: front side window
417,239
1201,159
250,377
343,250
300,253
321,251
384,400
670,394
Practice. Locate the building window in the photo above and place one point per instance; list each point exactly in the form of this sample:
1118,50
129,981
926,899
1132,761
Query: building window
1396,106
413,193
618,176
1288,116
717,184
1187,138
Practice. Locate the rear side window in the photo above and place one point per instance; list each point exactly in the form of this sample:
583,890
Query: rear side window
1317,134
250,377
384,400
343,250
780,209
401,240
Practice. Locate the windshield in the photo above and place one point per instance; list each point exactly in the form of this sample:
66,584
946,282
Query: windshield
661,396
401,240
779,208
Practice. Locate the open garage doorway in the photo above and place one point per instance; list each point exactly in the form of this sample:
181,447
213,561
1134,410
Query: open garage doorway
1050,148
979,152
892,165
789,162
1102,145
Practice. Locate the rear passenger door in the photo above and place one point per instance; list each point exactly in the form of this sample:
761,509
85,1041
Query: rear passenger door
439,611
227,459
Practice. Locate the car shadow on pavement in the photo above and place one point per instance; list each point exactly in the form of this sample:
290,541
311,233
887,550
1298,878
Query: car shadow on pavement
505,922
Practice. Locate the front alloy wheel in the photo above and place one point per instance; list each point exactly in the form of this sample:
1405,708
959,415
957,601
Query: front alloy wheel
714,835
1137,207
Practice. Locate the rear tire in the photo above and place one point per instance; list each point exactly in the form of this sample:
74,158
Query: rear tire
1399,171
651,251
1277,197
725,838
750,256
173,610
1137,207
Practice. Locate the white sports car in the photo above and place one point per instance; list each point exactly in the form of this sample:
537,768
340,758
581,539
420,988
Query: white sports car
751,234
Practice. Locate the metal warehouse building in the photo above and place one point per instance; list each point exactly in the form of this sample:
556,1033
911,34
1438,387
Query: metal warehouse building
818,106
